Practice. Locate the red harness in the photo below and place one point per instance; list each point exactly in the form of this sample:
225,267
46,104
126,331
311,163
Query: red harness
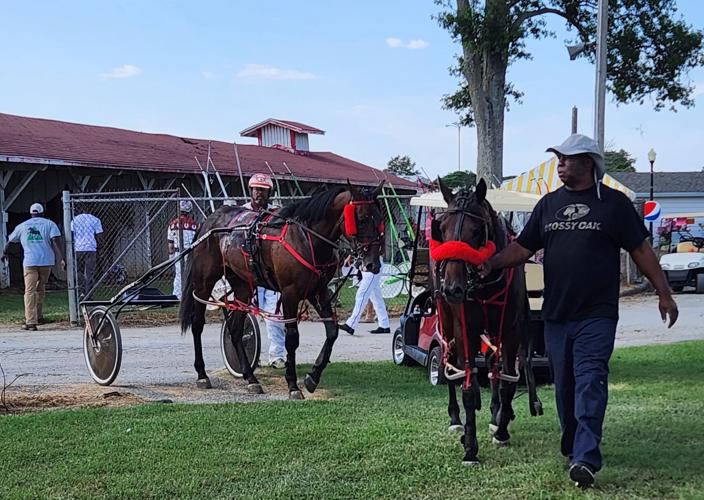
459,250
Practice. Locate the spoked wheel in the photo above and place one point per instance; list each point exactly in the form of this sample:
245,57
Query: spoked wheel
103,350
250,340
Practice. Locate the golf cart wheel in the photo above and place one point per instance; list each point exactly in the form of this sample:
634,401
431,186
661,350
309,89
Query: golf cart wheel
251,342
398,352
102,350
435,366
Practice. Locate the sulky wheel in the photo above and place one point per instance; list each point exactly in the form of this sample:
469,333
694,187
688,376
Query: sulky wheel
103,349
251,342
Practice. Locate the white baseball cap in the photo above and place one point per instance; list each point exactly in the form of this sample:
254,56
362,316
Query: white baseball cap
36,208
186,205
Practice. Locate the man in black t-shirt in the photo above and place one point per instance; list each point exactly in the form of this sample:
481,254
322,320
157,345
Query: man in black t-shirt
582,227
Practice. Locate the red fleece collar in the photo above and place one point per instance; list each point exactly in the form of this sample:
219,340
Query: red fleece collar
459,250
350,220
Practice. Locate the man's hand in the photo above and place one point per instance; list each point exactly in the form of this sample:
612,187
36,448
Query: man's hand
668,307
485,269
62,263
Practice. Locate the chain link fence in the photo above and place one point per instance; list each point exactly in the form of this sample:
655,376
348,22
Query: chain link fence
134,239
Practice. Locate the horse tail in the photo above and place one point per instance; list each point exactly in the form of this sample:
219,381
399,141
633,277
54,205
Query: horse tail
185,311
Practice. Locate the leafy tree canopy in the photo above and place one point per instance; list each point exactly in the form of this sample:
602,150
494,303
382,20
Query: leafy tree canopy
402,165
460,178
619,161
651,50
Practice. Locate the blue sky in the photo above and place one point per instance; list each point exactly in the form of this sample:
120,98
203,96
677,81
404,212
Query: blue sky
371,74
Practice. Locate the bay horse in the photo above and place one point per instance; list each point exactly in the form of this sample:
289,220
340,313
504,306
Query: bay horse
474,311
296,255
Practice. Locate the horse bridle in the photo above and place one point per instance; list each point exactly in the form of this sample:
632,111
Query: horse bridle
360,247
474,282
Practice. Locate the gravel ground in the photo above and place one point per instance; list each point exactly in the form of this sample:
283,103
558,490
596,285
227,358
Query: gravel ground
157,362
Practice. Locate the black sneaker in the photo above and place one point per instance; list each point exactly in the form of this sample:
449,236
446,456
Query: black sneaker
345,328
380,330
582,474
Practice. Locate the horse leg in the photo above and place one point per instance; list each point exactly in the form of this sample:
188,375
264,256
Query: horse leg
202,289
453,409
471,400
290,308
495,407
325,310
507,389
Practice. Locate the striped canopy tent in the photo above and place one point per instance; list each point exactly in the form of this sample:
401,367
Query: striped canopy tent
543,179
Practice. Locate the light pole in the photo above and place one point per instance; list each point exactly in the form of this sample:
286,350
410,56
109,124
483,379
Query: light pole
600,78
651,158
459,143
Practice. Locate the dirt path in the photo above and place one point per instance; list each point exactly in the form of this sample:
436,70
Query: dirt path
158,362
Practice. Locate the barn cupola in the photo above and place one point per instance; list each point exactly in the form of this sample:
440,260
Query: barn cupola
282,134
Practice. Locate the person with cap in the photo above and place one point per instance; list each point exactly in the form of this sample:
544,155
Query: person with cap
582,227
86,229
187,227
40,239
260,189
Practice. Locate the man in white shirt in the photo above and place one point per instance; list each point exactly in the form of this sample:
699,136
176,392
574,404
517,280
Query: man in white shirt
40,240
86,230
260,188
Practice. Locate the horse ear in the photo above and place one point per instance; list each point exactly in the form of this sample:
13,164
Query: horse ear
356,195
480,191
377,190
446,192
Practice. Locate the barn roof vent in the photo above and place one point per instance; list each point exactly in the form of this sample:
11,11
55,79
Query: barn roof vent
282,134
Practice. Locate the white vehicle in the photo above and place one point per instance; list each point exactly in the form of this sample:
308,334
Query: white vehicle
686,267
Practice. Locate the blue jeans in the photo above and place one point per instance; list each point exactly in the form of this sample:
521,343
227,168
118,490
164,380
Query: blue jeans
579,353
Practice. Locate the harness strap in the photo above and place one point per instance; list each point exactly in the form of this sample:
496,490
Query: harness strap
281,239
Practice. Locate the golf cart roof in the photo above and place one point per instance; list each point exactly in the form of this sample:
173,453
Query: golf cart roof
501,200
683,215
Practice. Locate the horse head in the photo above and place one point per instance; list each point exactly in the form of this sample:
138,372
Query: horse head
364,225
462,239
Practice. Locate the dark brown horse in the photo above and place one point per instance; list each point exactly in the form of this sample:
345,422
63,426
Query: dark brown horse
299,265
470,307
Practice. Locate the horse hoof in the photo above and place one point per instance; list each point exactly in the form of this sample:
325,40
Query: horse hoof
493,428
471,462
498,442
204,383
455,428
255,389
311,385
296,395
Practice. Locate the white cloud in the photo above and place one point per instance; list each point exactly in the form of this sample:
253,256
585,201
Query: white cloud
124,71
397,43
266,72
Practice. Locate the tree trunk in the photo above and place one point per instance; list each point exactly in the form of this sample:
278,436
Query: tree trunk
485,70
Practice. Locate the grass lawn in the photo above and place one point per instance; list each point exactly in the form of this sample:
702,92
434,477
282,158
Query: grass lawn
382,434
12,306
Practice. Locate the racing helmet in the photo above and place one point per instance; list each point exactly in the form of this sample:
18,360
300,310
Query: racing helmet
260,181
185,205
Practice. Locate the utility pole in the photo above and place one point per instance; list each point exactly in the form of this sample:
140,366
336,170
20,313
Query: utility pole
600,86
574,119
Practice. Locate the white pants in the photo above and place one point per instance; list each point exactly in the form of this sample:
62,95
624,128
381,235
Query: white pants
369,289
177,277
274,330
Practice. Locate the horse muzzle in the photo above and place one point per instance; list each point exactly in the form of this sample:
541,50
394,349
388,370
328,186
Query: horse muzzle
454,294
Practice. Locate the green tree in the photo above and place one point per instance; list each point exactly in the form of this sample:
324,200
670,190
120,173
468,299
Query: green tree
460,178
402,165
650,53
619,161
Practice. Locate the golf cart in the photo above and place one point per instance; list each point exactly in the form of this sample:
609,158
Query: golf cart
417,340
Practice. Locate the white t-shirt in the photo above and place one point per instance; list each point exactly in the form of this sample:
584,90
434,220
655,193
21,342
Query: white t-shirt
85,227
35,236
270,206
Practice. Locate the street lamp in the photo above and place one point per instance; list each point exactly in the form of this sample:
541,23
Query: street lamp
651,158
459,142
